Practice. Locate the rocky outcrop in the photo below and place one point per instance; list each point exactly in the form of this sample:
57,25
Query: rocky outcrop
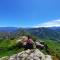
33,54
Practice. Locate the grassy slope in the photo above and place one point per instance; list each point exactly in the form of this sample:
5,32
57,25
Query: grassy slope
5,45
53,47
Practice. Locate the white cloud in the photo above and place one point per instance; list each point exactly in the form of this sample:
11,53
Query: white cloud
52,23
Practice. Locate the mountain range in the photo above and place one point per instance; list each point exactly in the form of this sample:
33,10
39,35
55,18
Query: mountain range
8,29
52,33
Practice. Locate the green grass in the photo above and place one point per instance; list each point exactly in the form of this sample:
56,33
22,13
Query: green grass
5,45
53,47
5,48
10,52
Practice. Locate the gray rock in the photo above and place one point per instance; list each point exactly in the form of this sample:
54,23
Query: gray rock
34,54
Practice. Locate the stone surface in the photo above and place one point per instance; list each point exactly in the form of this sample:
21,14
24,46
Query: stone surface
33,54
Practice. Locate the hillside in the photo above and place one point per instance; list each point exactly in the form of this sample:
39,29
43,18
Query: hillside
10,47
52,33
43,33
50,36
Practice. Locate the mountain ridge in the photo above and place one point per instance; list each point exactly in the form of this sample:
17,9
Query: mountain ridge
52,33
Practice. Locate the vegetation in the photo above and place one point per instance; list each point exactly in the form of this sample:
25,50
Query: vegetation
9,47
53,48
51,37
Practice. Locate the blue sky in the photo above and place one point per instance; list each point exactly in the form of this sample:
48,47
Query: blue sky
29,13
